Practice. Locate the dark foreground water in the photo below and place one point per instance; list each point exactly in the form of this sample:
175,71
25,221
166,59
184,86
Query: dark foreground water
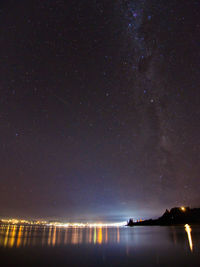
119,246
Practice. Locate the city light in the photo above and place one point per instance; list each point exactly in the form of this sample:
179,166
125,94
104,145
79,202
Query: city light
87,224
14,221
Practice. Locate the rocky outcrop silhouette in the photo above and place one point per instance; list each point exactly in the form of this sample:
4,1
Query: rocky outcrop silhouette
177,215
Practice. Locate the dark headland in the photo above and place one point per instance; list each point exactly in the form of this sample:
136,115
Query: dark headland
177,215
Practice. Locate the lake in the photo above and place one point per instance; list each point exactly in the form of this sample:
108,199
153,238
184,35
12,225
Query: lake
100,246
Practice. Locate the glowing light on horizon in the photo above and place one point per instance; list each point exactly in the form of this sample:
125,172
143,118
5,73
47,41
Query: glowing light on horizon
95,225
59,224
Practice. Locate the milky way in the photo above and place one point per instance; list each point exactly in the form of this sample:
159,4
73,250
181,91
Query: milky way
156,35
99,107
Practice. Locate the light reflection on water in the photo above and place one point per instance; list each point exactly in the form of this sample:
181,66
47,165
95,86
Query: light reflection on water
188,230
21,236
100,246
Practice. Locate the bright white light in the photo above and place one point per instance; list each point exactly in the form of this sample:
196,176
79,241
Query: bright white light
58,224
87,224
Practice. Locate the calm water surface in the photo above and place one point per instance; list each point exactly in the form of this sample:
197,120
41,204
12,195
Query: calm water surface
101,246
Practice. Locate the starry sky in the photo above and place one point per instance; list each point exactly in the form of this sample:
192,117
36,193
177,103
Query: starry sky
99,108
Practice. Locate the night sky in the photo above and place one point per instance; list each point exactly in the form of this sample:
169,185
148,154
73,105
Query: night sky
99,108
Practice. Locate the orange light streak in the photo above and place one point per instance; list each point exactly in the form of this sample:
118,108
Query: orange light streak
189,230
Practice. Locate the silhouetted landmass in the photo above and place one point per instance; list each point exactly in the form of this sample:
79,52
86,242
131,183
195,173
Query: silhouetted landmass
177,215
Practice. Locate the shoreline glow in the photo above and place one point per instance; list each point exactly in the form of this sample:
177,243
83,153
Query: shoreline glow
59,224
87,224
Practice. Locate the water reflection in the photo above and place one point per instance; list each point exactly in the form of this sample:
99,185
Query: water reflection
25,236
100,237
54,236
118,235
6,236
95,235
189,230
26,233
19,237
22,236
49,236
